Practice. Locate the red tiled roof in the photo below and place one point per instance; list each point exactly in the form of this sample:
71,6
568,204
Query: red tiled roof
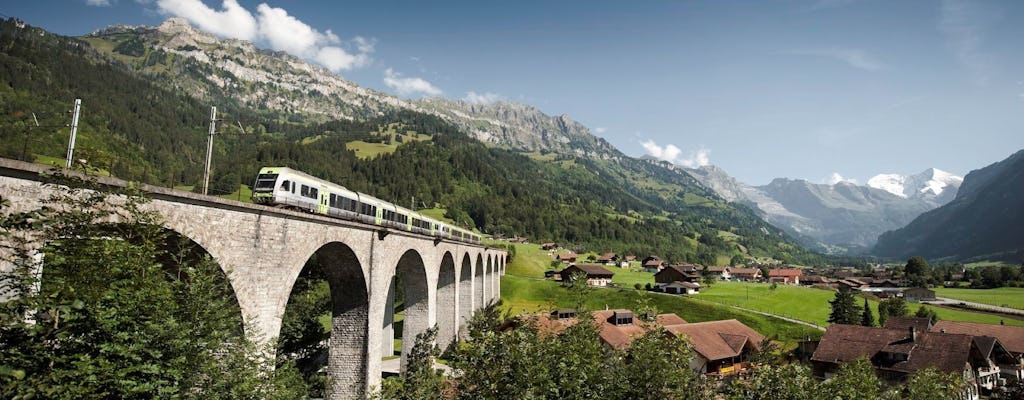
1012,337
744,271
618,337
669,319
715,340
844,343
590,270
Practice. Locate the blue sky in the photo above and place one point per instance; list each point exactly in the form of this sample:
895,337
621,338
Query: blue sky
806,89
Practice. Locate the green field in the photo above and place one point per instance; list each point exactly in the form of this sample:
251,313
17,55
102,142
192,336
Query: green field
626,278
530,295
530,261
1003,297
811,305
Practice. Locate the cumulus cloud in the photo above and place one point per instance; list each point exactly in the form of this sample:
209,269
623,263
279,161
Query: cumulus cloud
855,58
98,3
409,86
674,154
274,27
836,178
481,98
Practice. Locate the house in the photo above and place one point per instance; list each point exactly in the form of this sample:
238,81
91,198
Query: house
552,274
746,274
673,273
812,280
617,328
653,264
884,283
567,258
720,273
919,294
596,274
678,287
788,276
608,259
851,283
548,246
1011,337
897,353
720,347
630,258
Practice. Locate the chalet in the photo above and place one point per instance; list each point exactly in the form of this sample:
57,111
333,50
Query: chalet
617,328
567,258
553,274
1011,337
720,273
630,258
608,259
789,276
720,347
919,294
653,264
548,246
884,282
746,274
678,287
596,274
897,353
673,273
852,283
812,280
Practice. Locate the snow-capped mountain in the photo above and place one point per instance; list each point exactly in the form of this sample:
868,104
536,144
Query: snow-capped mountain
841,217
933,184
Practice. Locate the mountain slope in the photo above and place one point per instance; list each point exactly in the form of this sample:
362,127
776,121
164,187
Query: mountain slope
984,221
840,218
142,129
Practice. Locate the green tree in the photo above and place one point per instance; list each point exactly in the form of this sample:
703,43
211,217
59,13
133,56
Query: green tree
656,366
867,317
891,307
775,382
930,383
916,266
122,311
844,308
855,380
925,312
421,380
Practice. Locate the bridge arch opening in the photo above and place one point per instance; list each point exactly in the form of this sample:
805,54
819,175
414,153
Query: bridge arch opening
466,305
325,323
492,278
478,282
447,317
412,301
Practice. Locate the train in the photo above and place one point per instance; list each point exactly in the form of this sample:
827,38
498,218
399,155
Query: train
290,188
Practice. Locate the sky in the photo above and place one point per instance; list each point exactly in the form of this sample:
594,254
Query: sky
823,90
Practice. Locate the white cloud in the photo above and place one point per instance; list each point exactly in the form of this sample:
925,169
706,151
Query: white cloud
274,27
963,23
98,3
836,178
232,21
408,86
856,58
481,98
600,130
673,154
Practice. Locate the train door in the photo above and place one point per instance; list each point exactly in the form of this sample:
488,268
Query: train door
322,208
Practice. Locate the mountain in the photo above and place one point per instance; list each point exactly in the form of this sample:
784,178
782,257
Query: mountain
146,93
933,185
839,218
984,222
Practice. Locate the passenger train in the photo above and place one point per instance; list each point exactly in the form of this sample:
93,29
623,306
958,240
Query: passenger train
286,187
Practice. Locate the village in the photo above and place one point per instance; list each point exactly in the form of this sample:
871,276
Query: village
989,356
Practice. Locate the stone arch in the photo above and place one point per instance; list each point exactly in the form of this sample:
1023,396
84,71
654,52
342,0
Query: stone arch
347,349
489,277
466,304
416,294
478,283
447,293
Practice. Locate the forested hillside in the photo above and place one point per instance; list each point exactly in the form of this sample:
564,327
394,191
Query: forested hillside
142,129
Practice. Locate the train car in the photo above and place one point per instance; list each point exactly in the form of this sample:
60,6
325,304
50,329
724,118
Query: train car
286,187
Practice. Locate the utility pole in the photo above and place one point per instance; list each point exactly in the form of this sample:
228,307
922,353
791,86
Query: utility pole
74,131
209,148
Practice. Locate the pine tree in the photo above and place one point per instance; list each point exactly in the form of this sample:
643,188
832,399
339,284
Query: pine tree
844,308
867,317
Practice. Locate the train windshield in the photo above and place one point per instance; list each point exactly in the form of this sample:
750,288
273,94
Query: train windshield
265,182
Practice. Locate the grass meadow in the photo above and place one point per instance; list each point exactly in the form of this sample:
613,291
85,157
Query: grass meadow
1003,297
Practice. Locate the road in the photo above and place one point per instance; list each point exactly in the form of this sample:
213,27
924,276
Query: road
942,301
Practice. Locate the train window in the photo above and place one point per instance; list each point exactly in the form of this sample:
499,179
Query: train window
304,192
333,203
285,186
314,193
265,181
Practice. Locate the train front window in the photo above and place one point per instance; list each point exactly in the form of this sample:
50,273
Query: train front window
265,181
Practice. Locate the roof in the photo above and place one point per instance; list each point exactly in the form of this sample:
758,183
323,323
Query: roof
715,340
688,285
904,323
844,343
788,272
617,336
1012,337
590,270
686,270
569,256
606,257
669,319
717,269
745,271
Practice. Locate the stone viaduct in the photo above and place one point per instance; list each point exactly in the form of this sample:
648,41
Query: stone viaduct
262,250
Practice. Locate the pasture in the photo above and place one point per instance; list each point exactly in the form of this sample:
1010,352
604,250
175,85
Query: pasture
1003,297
